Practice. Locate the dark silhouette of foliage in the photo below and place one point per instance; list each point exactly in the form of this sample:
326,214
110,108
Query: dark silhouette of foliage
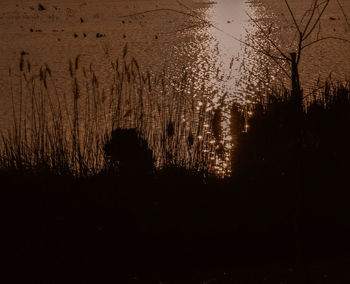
127,151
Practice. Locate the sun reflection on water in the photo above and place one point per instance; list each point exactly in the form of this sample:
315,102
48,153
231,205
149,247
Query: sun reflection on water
219,65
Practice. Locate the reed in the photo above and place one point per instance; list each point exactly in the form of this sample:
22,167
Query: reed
64,131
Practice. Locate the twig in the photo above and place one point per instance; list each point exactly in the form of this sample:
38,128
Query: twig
188,8
316,22
293,17
312,9
162,10
344,14
269,39
326,38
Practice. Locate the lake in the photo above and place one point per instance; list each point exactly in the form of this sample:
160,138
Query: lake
200,57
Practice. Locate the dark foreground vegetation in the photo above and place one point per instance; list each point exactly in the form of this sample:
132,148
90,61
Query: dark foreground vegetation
282,217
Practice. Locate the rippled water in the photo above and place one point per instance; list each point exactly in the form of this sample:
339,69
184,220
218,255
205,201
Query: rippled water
205,56
241,34
221,56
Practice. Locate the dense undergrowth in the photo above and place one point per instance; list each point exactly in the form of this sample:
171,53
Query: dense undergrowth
80,215
64,128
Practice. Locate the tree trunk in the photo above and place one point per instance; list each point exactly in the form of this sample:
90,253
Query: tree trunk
302,257
296,89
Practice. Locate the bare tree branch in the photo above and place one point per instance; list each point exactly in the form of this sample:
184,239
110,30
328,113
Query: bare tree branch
317,20
319,25
164,9
268,38
293,17
344,14
185,6
325,38
312,10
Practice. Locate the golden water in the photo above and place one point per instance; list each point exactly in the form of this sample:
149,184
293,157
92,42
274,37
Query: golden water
204,54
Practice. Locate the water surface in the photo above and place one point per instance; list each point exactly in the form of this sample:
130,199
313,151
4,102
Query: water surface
207,53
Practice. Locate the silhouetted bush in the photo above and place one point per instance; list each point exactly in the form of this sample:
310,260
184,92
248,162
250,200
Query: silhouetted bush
283,144
296,164
129,153
131,218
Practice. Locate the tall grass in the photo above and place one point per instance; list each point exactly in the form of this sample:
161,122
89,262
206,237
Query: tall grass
64,132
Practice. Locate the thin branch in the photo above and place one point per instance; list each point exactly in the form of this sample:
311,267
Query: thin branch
262,49
182,29
319,25
313,9
217,28
186,14
275,59
325,38
316,22
344,14
268,38
298,30
266,53
304,15
186,7
162,10
293,17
